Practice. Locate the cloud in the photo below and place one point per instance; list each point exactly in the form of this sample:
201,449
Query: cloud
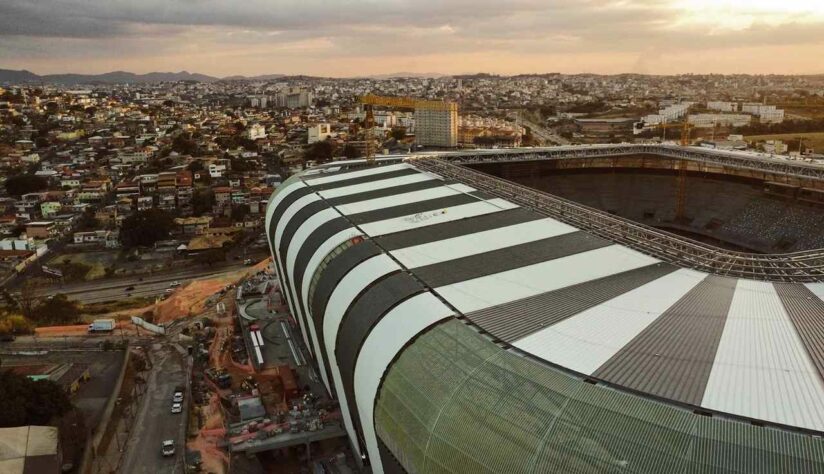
337,33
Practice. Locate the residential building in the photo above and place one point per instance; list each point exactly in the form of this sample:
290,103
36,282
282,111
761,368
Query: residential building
41,230
319,132
436,125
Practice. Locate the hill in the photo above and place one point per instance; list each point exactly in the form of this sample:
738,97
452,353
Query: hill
116,77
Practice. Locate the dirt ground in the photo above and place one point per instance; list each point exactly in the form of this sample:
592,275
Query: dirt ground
123,328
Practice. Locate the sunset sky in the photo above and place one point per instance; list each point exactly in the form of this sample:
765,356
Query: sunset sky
364,37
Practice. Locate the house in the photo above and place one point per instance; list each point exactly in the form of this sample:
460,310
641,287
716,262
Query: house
21,243
192,225
41,230
222,195
104,238
106,216
49,209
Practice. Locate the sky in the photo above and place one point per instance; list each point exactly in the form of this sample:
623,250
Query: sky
346,38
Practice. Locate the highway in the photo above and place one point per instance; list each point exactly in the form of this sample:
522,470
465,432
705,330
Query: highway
541,132
110,289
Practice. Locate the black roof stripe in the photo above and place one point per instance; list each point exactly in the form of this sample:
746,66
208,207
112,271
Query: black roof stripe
458,228
806,311
518,319
335,271
362,179
386,192
508,258
673,356
296,221
361,316
414,208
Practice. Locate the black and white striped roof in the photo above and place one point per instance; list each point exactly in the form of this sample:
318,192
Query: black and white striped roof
435,249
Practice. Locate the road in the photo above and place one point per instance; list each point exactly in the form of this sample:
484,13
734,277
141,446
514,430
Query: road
111,289
154,422
542,133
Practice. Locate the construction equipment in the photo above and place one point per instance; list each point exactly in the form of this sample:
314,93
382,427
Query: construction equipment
681,179
370,101
686,129
404,103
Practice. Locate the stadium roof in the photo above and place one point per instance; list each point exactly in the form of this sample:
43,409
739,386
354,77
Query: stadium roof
575,300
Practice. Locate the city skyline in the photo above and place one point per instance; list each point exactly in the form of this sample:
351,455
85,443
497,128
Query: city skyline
456,37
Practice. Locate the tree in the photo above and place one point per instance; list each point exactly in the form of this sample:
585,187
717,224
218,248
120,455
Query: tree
25,183
31,292
145,228
203,200
351,151
58,310
398,133
320,151
239,212
210,257
27,402
184,144
196,165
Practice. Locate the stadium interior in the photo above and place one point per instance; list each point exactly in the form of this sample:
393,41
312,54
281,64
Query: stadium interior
721,206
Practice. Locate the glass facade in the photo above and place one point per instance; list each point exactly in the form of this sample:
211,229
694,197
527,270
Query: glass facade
455,402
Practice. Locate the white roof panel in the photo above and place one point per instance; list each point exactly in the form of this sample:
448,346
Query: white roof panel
511,285
345,292
817,289
290,212
360,173
299,238
761,369
389,336
480,242
374,185
280,193
587,340
422,219
317,257
398,199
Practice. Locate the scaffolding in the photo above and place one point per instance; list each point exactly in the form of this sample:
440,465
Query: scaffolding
749,161
807,266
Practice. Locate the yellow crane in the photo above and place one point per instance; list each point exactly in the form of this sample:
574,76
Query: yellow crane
369,101
686,130
681,179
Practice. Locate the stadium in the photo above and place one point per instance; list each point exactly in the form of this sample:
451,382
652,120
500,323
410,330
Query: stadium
605,308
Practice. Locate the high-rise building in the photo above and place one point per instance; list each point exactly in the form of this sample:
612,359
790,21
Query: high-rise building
437,125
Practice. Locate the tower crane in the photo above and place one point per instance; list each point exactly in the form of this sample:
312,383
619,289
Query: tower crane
370,101
681,179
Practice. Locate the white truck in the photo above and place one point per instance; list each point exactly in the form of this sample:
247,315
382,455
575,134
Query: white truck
102,325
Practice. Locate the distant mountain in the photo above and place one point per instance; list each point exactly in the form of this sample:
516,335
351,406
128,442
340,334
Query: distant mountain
16,77
264,77
414,75
116,77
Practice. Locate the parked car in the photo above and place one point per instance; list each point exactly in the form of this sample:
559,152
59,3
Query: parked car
178,397
177,408
174,284
168,447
